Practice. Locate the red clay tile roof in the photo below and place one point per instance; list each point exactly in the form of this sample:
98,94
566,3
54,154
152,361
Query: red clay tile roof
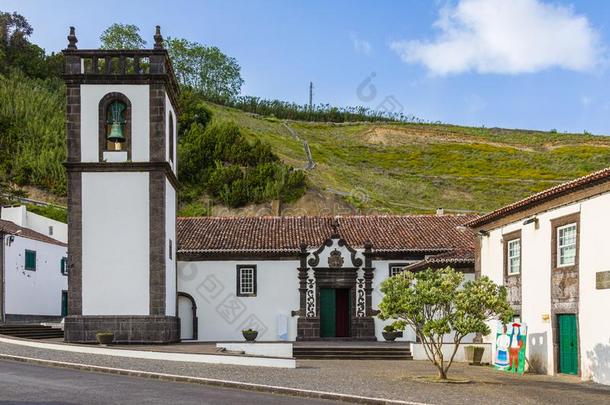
388,233
12,228
580,183
454,257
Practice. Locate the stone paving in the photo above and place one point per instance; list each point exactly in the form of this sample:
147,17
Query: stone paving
382,379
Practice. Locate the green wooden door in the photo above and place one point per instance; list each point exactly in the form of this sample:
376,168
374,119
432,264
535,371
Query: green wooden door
328,312
64,303
568,344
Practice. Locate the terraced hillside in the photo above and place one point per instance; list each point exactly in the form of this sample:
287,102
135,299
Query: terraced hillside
402,168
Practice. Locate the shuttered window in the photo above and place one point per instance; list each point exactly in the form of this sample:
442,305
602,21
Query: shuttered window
64,266
30,260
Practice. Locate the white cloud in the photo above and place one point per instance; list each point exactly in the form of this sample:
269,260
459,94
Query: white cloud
361,45
500,36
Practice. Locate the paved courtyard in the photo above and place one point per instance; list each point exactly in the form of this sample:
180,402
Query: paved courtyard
382,379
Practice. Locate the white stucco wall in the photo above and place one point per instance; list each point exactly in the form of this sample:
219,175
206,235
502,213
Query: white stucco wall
223,315
594,256
33,292
115,228
22,217
170,259
594,304
138,95
382,272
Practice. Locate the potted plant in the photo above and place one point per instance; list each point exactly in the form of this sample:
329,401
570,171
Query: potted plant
249,334
474,354
104,338
391,332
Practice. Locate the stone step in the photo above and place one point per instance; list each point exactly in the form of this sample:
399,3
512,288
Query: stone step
351,357
31,331
407,352
352,352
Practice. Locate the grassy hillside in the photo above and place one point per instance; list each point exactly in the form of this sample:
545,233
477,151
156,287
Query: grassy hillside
373,167
419,167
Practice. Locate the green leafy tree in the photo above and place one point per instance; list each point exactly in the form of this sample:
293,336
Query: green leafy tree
439,306
17,53
122,36
205,68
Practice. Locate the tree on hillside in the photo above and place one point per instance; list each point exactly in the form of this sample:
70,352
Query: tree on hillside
440,307
16,51
122,36
205,69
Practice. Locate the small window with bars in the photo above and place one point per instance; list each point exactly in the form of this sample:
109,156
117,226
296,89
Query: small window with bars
566,245
246,281
30,260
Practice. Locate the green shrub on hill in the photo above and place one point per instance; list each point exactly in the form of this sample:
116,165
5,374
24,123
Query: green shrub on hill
218,160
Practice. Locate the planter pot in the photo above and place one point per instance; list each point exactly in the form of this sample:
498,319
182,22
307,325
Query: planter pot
250,336
105,338
474,354
391,336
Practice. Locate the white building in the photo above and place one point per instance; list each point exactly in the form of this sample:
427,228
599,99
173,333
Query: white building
21,216
33,275
304,278
551,251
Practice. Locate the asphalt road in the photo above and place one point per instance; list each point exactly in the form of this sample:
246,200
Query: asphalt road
22,383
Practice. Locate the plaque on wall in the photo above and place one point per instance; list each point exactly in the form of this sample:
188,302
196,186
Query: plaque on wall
602,280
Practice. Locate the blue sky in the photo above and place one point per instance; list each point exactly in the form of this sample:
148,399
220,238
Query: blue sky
519,64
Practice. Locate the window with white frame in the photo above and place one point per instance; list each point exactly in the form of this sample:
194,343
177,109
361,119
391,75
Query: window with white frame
246,281
566,245
514,256
396,269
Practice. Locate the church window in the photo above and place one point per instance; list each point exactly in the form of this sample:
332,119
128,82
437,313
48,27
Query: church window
246,281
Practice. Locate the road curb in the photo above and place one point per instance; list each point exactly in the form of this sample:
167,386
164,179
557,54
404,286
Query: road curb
212,382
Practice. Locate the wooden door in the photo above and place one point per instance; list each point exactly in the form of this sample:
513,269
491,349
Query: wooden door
568,344
328,312
343,315
64,303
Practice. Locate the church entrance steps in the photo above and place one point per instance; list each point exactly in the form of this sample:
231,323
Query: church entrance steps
31,331
335,350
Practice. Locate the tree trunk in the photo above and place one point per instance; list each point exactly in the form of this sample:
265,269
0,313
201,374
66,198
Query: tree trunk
442,374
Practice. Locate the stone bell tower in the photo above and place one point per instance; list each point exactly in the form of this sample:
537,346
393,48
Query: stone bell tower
121,126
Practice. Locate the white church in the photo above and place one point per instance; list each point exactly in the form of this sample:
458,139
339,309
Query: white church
137,271
149,277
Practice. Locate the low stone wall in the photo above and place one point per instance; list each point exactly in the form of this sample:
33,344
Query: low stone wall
126,329
418,352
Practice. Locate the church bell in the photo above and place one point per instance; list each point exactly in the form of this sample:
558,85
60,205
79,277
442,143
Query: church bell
116,121
116,133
